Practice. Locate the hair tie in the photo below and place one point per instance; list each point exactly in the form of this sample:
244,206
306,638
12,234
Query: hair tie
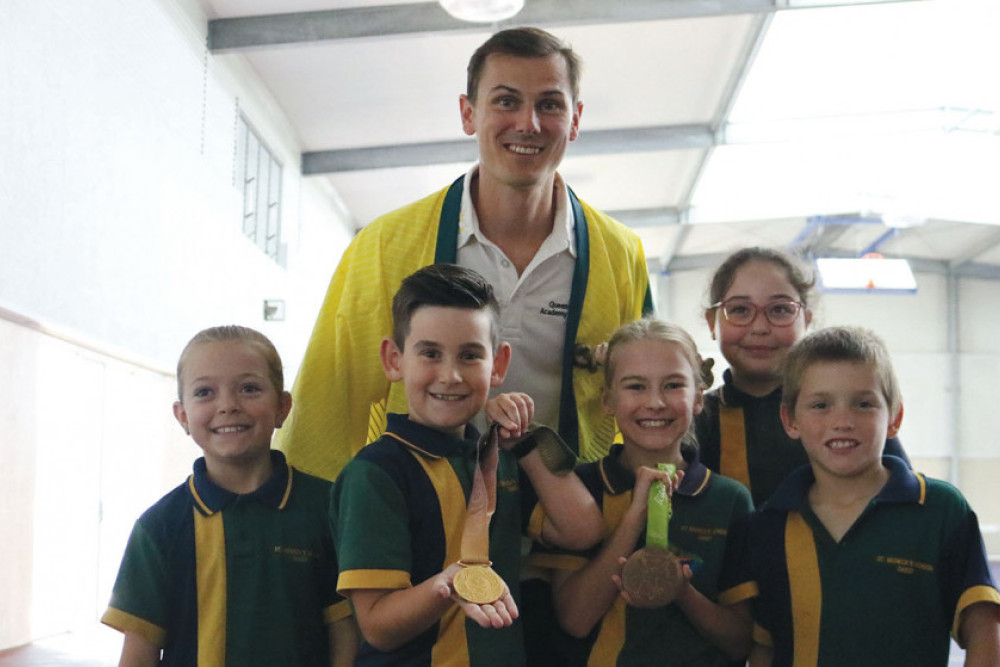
707,376
590,358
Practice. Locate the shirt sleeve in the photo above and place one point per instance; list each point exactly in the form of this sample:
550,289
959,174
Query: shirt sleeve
371,529
967,576
139,597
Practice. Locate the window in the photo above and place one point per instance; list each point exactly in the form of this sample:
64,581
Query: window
258,174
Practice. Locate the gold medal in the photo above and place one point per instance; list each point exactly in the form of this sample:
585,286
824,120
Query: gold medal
478,584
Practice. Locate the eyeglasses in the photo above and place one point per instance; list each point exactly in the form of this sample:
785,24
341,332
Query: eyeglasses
741,313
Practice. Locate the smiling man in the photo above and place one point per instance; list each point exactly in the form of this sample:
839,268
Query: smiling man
566,275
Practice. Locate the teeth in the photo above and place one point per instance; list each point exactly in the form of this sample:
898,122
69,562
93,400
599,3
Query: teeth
231,429
840,444
447,397
524,150
652,423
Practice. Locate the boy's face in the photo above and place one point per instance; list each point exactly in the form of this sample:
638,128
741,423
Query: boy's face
842,418
447,365
229,404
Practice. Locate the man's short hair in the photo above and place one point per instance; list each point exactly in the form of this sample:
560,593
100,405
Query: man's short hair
522,43
448,286
833,344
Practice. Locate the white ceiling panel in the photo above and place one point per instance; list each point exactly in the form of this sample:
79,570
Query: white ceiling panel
742,113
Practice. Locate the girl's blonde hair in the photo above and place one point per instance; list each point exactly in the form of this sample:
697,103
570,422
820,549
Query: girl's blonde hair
650,328
237,334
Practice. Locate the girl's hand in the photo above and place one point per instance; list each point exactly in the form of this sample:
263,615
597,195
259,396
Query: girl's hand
513,412
644,478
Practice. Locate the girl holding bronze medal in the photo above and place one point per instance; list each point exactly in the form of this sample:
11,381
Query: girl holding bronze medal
677,611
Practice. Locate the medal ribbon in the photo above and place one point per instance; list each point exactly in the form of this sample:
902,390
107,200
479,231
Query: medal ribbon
475,548
659,510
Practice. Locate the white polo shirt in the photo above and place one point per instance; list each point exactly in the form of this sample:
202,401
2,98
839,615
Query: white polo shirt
533,306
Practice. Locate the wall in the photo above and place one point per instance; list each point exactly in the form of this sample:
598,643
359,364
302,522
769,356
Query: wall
915,329
119,239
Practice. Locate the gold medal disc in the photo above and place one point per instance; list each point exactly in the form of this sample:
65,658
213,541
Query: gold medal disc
478,584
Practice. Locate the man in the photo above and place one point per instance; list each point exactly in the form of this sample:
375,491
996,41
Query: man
566,275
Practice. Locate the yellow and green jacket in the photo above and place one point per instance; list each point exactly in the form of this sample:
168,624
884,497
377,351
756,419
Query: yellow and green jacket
341,393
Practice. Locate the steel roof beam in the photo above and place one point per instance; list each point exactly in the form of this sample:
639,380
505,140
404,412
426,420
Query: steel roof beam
246,32
592,142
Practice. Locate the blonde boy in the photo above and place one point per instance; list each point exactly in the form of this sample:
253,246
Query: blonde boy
858,560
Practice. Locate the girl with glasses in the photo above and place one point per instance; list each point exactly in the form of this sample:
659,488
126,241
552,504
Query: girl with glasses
758,308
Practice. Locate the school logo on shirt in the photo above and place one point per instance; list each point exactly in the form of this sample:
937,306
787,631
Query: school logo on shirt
904,565
555,308
296,554
508,485
704,533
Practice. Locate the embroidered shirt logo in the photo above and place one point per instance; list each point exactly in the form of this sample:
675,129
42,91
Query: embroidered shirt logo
904,565
704,533
296,554
555,308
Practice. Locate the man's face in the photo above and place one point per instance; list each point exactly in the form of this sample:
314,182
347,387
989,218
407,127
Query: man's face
524,116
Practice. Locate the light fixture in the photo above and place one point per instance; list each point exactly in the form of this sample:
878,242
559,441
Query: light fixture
871,273
482,11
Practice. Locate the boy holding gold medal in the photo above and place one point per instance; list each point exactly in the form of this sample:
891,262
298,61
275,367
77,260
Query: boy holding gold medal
428,519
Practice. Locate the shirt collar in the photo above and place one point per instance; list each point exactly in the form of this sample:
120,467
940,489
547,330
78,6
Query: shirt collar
428,441
619,479
562,231
210,498
733,397
904,486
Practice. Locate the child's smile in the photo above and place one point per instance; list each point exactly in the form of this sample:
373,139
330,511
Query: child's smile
229,404
654,397
447,366
841,417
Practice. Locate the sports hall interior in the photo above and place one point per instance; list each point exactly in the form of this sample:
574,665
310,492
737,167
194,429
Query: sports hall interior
169,165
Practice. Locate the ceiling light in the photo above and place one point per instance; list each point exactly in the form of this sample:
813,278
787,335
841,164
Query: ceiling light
482,11
871,274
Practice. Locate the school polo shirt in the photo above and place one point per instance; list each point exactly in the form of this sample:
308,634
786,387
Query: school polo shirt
533,305
398,511
887,594
741,436
217,578
706,507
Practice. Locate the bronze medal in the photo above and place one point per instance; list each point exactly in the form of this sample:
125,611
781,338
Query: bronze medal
651,577
478,584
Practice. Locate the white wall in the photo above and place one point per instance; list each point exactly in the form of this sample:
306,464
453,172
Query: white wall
120,219
120,237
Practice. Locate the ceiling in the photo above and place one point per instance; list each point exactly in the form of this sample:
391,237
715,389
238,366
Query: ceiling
707,124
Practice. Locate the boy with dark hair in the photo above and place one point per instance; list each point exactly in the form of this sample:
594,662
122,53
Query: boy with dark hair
403,507
856,559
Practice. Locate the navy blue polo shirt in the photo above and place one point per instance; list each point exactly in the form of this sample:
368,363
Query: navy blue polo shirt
217,578
886,594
